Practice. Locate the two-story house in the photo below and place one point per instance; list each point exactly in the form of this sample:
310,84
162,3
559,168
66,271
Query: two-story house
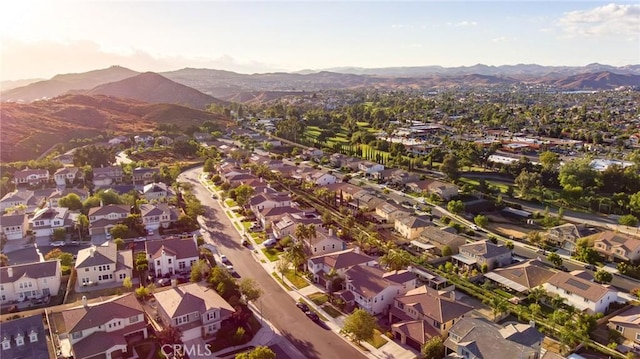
320,178
286,226
390,212
24,338
338,262
104,329
29,281
66,175
268,216
14,226
194,309
158,215
325,241
312,153
142,176
344,192
481,253
581,292
373,289
410,227
613,245
564,236
440,239
170,256
370,168
31,177
422,313
46,220
103,264
82,193
17,198
263,201
476,338
102,219
106,176
155,192
627,324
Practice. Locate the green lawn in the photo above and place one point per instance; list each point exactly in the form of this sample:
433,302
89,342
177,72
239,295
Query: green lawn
237,225
319,298
247,225
271,253
296,279
377,341
258,237
503,187
279,279
230,202
333,312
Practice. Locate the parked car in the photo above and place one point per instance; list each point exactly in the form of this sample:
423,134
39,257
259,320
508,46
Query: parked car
245,243
57,244
591,267
303,307
270,242
108,235
230,269
224,259
150,232
163,282
140,239
313,316
214,196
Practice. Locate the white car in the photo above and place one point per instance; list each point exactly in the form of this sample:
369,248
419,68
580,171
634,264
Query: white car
140,239
57,244
270,242
230,269
224,259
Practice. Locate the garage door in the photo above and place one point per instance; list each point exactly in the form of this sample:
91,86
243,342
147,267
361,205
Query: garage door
190,334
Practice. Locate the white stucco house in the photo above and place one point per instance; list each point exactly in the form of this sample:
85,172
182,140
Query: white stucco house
21,282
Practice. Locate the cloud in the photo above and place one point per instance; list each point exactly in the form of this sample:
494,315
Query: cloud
84,55
462,23
611,19
500,39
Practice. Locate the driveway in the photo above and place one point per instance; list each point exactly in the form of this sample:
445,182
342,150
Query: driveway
278,307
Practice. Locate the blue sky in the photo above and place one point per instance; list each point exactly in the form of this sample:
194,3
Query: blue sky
39,39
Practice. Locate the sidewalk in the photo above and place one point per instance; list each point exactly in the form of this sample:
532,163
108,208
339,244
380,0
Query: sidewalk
389,350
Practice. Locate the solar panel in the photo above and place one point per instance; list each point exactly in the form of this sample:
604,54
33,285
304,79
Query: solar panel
577,284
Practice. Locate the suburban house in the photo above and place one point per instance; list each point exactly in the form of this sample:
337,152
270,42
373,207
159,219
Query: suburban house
14,226
143,139
18,198
565,236
155,192
158,215
24,338
620,246
336,160
268,216
235,179
364,201
263,200
103,264
439,239
202,136
344,192
312,153
82,193
106,176
324,242
370,168
142,176
48,219
170,256
396,176
476,338
581,292
66,175
101,219
105,329
521,277
320,178
442,189
627,323
410,227
483,252
422,313
29,281
287,225
338,262
31,177
391,212
195,309
373,289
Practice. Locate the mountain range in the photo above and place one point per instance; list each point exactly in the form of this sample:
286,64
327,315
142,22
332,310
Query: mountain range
199,87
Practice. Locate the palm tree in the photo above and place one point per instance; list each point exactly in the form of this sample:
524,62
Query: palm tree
498,306
535,309
557,301
536,294
395,260
296,255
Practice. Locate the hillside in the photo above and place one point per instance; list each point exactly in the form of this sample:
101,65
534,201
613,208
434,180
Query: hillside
597,81
153,88
30,129
61,84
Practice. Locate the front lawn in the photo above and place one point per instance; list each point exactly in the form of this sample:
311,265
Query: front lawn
227,334
230,202
237,225
333,312
319,298
296,279
271,253
258,237
377,341
279,279
247,225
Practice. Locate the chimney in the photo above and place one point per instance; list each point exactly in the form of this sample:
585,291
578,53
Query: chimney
10,272
356,250
452,295
330,232
84,301
174,283
532,323
92,251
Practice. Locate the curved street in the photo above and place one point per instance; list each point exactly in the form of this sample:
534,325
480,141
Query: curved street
311,339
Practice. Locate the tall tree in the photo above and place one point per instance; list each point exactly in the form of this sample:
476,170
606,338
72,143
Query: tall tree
434,348
450,167
249,289
395,259
259,352
359,325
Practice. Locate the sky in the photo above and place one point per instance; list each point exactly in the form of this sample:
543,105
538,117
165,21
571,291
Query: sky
39,39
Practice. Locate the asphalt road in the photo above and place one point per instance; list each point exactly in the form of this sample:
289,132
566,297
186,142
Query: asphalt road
312,340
